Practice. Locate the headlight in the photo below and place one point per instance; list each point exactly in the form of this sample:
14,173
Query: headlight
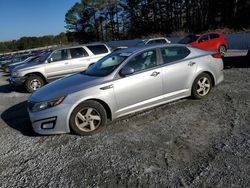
35,107
15,74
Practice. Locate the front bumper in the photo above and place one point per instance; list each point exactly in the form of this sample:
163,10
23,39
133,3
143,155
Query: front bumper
16,80
50,121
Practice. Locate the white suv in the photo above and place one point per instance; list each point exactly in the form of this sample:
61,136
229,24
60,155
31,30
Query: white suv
56,64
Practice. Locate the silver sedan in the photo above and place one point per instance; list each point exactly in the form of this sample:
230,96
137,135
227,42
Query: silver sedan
121,83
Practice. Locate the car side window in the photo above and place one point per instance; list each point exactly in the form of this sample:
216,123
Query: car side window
204,38
78,52
214,36
171,54
59,55
144,60
163,41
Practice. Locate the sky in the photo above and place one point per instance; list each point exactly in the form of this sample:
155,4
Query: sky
19,18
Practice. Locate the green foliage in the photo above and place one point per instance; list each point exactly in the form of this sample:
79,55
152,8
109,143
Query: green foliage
113,19
33,42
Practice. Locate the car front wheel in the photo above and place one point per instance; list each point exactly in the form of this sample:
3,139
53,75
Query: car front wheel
88,118
202,86
33,83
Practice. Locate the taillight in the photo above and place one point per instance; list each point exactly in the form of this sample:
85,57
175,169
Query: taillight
217,55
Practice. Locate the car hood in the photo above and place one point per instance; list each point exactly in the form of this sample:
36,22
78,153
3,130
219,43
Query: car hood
65,86
27,66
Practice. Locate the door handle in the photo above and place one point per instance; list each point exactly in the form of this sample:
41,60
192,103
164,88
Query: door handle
66,63
107,87
191,63
154,74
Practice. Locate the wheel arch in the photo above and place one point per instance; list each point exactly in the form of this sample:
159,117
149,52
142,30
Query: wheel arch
207,72
37,74
102,102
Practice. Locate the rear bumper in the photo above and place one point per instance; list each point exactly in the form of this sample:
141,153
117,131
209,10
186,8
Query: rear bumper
16,81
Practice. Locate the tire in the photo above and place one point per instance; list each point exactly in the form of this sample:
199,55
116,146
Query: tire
202,86
88,118
222,49
33,83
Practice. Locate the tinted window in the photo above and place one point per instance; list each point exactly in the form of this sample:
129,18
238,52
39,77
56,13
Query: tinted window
188,39
98,49
204,38
163,41
143,61
171,54
214,36
59,55
157,41
141,43
78,52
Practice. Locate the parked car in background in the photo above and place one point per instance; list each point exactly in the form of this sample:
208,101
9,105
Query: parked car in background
118,48
16,61
153,41
56,64
12,60
213,41
121,83
28,60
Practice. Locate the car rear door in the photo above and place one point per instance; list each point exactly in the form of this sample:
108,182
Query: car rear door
58,64
177,72
141,89
80,59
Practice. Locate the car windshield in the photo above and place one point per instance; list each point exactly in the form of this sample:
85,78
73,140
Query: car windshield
43,57
141,43
188,39
33,59
106,65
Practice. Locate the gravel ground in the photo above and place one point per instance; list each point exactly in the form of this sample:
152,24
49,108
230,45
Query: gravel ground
188,143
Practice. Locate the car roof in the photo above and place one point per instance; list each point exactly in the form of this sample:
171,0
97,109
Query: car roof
133,50
212,32
77,46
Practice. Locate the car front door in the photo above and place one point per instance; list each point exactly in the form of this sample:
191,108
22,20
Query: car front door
177,72
58,64
142,88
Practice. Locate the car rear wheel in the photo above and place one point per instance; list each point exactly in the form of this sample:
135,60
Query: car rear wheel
222,50
33,83
202,86
88,118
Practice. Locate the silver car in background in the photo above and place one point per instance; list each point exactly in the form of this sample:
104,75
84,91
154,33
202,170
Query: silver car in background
122,83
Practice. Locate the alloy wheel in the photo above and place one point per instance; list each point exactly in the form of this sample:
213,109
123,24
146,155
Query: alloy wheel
88,119
203,86
35,84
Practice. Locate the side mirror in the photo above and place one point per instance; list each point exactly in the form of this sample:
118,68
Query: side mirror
127,71
50,60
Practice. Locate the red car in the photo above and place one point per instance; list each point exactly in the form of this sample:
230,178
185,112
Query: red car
212,41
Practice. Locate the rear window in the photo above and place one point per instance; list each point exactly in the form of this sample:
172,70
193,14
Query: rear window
78,52
98,49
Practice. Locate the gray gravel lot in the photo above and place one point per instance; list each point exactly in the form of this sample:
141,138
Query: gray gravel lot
188,143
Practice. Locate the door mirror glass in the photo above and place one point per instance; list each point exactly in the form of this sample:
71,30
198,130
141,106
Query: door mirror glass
126,71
